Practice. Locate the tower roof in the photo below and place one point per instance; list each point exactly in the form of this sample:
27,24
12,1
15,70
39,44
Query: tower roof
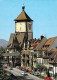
23,16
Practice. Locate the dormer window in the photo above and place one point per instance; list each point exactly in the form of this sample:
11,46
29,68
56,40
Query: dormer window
45,46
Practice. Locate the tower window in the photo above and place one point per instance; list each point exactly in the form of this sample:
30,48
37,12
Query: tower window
20,28
29,26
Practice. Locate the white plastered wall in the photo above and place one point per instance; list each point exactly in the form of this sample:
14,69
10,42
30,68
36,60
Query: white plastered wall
20,27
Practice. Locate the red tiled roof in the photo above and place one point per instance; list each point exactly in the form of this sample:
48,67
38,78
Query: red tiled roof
34,44
52,50
48,43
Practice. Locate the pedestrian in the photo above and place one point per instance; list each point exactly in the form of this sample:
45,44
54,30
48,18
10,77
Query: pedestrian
48,76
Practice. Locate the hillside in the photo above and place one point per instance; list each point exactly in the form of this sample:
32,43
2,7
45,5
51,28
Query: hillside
3,43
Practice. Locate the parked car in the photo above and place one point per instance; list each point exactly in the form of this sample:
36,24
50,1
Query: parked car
11,68
23,69
20,68
27,70
36,74
48,78
24,73
30,71
5,66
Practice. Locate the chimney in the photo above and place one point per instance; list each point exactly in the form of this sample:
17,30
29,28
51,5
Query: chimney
41,37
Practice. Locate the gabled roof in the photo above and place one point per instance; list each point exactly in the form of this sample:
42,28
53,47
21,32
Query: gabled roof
40,45
14,44
48,43
34,44
53,50
23,17
20,39
34,40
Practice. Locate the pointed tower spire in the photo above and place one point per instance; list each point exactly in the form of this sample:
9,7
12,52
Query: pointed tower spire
23,16
23,7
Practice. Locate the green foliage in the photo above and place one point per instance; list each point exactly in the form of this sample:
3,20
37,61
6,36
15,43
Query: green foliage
40,67
4,75
2,49
1,66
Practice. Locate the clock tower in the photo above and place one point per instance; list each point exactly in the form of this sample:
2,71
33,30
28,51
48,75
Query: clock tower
23,24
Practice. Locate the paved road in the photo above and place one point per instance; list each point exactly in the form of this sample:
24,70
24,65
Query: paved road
18,72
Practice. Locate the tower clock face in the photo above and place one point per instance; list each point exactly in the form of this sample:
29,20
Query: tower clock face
29,26
20,27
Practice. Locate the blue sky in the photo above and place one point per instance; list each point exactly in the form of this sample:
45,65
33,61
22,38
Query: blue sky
43,12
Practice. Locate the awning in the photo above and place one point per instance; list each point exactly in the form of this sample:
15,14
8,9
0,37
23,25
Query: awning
11,54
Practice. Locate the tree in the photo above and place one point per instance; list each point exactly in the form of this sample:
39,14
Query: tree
2,49
1,66
41,68
5,75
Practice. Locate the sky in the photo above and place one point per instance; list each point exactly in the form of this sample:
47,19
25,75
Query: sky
43,13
